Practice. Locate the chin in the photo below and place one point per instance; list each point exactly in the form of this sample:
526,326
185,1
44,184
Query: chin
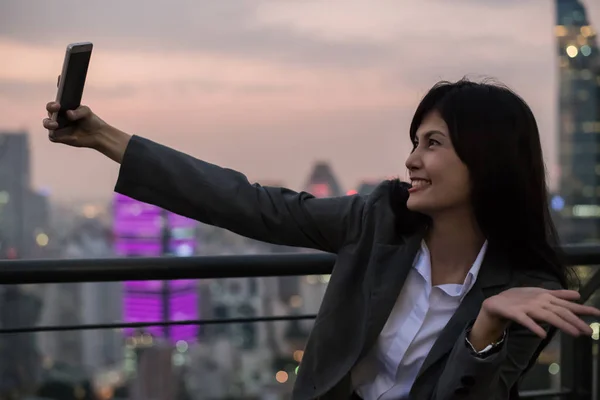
418,205
414,205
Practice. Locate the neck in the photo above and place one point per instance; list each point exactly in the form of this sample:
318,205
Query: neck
454,241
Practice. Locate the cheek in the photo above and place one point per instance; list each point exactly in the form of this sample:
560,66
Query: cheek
450,176
456,183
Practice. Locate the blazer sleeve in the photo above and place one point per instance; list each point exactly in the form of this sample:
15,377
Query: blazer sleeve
468,377
158,175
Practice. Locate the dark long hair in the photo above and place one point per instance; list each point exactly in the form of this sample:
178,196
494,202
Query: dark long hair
495,134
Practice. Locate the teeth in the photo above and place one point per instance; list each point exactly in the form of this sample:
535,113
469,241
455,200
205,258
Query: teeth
417,183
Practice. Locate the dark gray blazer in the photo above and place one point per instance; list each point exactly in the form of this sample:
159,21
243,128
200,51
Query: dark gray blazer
373,260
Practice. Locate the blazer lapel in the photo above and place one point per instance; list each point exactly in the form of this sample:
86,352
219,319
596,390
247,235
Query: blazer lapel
494,274
467,311
390,266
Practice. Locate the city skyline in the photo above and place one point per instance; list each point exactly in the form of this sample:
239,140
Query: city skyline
258,84
579,124
315,96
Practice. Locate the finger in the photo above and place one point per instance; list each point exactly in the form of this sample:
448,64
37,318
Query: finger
53,136
526,321
576,308
566,294
49,124
79,113
540,314
57,137
570,317
64,136
52,107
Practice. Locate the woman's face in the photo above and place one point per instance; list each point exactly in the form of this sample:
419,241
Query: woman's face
440,180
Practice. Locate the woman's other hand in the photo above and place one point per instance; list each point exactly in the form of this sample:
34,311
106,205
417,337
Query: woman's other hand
530,306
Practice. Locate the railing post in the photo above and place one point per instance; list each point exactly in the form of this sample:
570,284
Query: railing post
577,360
567,349
596,369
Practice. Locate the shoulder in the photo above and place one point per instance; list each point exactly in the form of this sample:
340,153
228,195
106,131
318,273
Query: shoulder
537,278
524,265
388,189
386,208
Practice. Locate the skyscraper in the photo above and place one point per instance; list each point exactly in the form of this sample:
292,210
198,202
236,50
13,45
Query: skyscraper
19,358
14,185
144,230
23,212
578,202
322,182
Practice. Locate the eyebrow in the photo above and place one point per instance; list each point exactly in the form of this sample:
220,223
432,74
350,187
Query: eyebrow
428,134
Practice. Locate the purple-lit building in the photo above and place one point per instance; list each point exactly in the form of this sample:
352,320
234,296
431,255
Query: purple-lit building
138,232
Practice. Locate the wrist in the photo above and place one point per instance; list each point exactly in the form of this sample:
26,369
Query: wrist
486,330
112,143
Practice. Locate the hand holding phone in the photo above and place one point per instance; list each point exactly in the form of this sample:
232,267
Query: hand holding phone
72,80
75,125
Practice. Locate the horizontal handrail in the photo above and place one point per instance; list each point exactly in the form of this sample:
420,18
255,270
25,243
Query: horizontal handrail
133,325
163,268
173,268
544,394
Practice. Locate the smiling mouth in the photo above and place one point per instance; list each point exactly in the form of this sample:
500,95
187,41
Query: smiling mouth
419,184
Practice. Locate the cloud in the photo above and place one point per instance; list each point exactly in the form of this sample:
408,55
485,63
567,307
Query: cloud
23,90
354,35
286,81
218,27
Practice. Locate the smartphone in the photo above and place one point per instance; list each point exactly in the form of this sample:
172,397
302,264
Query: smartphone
72,80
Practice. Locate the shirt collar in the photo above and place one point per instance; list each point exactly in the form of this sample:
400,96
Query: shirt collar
423,266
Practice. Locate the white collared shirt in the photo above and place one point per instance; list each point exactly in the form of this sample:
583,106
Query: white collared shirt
420,314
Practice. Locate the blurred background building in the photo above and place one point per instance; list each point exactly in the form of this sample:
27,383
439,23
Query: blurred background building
578,200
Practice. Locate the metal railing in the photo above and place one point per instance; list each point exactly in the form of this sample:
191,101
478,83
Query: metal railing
580,369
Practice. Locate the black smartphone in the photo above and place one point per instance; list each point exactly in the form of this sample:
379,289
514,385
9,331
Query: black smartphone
72,80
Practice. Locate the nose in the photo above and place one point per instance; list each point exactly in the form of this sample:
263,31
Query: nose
414,162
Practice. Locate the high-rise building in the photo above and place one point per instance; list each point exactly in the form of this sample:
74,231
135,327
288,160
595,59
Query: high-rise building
578,202
14,185
144,230
322,182
83,303
22,214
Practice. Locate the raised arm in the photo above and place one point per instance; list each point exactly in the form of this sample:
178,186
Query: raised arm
159,175
222,197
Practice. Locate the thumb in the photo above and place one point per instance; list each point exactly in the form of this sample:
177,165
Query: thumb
80,113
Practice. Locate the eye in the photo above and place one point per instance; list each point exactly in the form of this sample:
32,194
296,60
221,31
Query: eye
433,142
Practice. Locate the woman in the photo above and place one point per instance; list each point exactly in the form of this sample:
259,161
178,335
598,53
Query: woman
443,289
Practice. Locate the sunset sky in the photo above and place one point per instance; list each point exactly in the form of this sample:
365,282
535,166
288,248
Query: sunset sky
266,87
